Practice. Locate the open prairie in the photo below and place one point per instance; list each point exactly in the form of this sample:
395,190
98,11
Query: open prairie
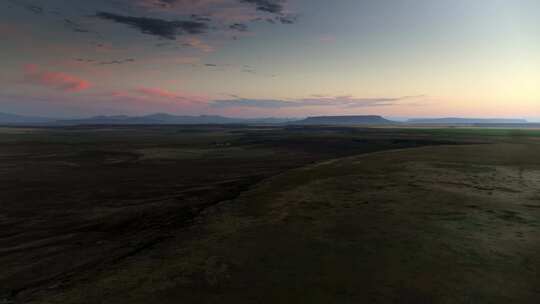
269,151
239,214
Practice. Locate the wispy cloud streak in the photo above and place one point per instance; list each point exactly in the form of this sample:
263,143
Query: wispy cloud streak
315,101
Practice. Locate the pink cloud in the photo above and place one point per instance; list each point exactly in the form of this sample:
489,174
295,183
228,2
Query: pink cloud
56,80
155,92
198,44
169,95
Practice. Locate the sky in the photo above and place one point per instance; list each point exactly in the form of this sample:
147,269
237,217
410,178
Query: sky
263,58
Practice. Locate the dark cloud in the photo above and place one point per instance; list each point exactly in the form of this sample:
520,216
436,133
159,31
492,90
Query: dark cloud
285,19
269,6
239,27
245,68
201,18
117,61
289,19
85,60
158,27
74,26
164,3
319,101
193,16
121,61
232,67
36,9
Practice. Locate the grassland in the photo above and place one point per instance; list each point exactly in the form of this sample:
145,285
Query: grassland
269,215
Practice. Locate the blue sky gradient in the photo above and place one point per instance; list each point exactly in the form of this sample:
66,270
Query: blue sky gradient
231,57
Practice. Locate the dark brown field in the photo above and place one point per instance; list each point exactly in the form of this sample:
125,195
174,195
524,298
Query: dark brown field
238,214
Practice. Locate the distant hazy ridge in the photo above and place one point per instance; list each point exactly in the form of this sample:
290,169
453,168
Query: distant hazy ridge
163,118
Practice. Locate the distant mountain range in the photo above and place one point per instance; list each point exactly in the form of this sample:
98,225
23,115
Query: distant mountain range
163,118
153,119
455,120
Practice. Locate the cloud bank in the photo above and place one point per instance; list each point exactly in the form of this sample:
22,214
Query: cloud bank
168,19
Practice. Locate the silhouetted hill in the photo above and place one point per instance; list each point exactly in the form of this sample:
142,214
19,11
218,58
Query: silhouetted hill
345,120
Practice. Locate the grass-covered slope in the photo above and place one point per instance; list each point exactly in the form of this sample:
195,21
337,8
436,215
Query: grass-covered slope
448,224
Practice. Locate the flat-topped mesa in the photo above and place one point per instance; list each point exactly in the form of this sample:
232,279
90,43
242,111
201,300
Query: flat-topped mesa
346,120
